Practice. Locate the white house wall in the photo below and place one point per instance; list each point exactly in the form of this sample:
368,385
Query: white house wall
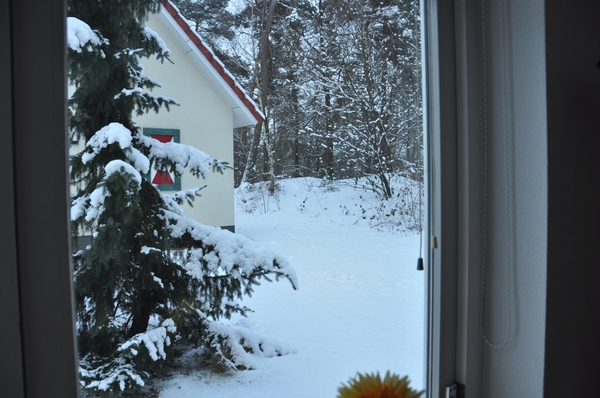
205,121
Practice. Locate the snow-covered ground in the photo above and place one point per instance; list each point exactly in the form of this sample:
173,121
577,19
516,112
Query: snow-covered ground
359,308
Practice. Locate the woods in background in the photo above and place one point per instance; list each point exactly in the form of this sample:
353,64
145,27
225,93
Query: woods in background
338,81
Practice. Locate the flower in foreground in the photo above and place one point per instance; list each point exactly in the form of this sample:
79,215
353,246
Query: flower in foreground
371,386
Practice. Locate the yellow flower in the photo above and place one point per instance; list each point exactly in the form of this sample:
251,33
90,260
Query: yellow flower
371,386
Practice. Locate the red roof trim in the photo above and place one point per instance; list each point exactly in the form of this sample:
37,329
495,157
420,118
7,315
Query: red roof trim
213,61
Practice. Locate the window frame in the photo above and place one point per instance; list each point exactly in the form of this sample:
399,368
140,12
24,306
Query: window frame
440,110
10,376
40,319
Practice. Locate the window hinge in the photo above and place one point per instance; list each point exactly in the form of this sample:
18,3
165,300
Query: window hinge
455,390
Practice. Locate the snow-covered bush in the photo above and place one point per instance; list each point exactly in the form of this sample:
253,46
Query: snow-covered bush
403,211
255,197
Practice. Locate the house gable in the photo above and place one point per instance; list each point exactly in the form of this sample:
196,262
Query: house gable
245,111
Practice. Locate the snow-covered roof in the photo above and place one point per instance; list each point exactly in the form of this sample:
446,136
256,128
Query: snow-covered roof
245,111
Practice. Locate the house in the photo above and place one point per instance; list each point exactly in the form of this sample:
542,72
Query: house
554,99
211,105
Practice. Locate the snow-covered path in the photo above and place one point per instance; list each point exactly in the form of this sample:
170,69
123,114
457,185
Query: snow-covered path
359,306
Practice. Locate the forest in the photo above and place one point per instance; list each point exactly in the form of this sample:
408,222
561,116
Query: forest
339,83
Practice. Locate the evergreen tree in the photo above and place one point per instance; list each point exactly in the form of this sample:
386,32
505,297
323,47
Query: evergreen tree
151,277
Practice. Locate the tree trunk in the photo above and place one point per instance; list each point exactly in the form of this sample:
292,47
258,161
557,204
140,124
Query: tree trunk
270,159
252,154
264,59
141,317
327,156
261,79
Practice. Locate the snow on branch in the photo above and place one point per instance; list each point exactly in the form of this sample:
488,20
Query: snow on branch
119,166
154,340
115,133
108,374
235,346
185,196
104,377
233,254
150,34
144,100
92,205
80,36
165,156
179,156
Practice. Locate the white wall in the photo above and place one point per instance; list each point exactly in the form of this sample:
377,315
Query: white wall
205,122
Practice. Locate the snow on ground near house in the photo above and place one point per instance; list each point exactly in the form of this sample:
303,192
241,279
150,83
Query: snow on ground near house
359,308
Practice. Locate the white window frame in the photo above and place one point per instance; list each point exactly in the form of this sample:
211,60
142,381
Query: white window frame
440,110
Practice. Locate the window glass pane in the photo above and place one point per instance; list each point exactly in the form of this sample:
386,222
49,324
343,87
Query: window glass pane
298,125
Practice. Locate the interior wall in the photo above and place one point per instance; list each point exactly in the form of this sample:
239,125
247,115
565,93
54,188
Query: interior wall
573,300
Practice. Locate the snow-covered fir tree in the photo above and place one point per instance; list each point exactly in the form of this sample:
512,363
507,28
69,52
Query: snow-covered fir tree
151,277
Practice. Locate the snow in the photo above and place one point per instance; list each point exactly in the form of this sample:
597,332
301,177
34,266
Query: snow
120,374
233,253
115,133
80,36
183,156
164,156
360,308
119,166
97,198
254,345
129,92
78,207
154,340
146,249
139,92
92,205
198,162
158,281
152,34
